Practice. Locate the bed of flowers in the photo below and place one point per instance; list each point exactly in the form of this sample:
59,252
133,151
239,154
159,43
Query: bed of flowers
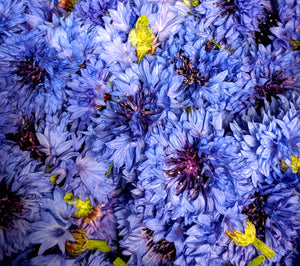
148,132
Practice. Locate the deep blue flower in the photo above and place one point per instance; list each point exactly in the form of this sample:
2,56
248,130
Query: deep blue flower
269,139
139,241
34,71
49,233
288,29
140,98
25,136
265,74
88,91
274,210
22,186
191,169
232,19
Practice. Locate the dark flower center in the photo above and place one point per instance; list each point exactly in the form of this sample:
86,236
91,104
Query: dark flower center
30,72
190,171
191,74
137,110
272,17
10,206
257,215
228,7
164,251
27,140
276,86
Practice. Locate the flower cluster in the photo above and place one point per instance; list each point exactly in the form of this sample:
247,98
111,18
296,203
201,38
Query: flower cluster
149,132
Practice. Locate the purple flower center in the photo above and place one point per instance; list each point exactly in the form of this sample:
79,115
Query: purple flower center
191,74
272,17
10,206
163,250
277,85
190,171
228,7
30,72
257,215
27,140
137,110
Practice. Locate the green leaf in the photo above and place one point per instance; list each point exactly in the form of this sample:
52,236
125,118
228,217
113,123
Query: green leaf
119,262
257,261
109,169
101,245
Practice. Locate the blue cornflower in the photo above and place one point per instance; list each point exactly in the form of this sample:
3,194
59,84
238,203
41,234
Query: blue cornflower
25,136
265,73
274,211
269,139
275,72
50,232
11,17
212,73
140,98
87,92
232,19
191,168
139,241
287,28
33,70
272,22
22,186
71,39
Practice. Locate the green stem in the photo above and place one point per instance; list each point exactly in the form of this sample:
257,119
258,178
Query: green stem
98,244
257,261
264,248
218,45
